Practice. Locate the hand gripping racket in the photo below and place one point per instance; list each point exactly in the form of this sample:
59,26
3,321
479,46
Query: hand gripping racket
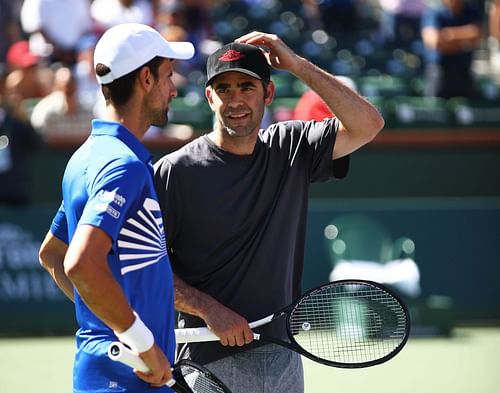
345,323
188,377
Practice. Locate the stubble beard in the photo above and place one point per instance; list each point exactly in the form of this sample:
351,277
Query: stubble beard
237,133
160,120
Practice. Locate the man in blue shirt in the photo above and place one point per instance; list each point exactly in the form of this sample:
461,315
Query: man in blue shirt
115,267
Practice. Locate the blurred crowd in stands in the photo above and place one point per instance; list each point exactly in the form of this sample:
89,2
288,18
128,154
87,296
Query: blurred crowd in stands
410,57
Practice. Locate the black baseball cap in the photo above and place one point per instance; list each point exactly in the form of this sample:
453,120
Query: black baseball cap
238,57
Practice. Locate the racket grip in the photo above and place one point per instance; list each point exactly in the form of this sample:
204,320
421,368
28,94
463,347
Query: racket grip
194,335
198,335
120,353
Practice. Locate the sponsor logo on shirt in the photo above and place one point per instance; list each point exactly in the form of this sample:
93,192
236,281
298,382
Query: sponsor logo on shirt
103,207
112,196
107,198
112,212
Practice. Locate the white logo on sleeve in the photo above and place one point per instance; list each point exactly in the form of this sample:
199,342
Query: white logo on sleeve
107,198
142,239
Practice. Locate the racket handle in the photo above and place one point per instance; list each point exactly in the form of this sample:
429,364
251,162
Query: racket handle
120,353
198,335
194,335
261,322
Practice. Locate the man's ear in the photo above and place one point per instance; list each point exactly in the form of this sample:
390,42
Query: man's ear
208,94
269,93
146,78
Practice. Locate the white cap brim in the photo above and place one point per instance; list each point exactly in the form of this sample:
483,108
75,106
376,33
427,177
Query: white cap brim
126,47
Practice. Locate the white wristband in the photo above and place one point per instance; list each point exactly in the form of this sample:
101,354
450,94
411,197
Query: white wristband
138,337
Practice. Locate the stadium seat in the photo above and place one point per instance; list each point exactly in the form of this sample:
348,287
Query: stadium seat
361,247
475,113
383,86
358,237
418,112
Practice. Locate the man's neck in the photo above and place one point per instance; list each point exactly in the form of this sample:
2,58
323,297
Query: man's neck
130,122
241,146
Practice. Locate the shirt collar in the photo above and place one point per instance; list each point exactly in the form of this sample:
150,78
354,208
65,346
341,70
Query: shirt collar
103,127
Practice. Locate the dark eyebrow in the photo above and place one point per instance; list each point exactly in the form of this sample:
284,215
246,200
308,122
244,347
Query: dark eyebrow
221,85
246,84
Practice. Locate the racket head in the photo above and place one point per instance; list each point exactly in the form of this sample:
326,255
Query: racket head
197,379
349,324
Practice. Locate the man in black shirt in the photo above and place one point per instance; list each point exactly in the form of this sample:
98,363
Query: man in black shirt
234,204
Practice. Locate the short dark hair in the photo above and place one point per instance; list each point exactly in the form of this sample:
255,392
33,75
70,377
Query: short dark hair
265,84
120,90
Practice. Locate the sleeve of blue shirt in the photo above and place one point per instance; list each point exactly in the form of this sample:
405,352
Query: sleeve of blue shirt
429,18
115,194
59,226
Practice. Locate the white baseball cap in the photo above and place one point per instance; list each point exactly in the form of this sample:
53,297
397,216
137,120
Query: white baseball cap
127,46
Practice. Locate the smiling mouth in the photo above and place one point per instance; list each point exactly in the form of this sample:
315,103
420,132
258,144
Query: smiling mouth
237,116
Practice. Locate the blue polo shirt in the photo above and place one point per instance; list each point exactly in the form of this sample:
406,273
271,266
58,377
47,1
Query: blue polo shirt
108,183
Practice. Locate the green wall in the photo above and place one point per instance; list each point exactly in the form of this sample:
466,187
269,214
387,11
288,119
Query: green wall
374,172
447,200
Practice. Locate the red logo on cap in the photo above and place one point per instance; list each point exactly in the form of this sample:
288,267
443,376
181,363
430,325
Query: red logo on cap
232,55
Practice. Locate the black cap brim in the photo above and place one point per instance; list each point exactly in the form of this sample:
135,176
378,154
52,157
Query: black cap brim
242,70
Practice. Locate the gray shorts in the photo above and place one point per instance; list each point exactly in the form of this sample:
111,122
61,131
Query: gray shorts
267,369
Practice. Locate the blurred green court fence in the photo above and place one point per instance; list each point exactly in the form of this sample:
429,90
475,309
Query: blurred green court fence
453,245
360,246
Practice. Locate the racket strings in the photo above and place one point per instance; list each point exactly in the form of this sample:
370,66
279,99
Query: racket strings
200,381
349,323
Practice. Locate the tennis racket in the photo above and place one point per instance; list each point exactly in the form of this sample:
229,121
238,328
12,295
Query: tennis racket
345,323
188,377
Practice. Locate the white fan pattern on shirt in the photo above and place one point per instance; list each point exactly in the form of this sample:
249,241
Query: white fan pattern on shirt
142,238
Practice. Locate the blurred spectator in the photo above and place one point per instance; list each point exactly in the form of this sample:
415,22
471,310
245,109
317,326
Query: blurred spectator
108,13
494,34
400,21
9,27
194,18
311,107
494,19
60,114
26,80
55,27
177,33
89,92
334,16
17,141
451,33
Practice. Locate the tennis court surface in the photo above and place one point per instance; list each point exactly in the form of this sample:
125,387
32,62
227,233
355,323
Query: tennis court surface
468,362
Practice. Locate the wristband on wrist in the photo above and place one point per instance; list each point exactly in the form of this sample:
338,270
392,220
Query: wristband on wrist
138,337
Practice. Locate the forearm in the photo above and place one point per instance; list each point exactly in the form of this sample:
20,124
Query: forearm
191,300
358,117
51,257
457,39
103,295
494,20
229,326
87,267
62,281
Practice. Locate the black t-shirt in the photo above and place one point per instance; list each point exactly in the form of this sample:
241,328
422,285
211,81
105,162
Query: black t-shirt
236,224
